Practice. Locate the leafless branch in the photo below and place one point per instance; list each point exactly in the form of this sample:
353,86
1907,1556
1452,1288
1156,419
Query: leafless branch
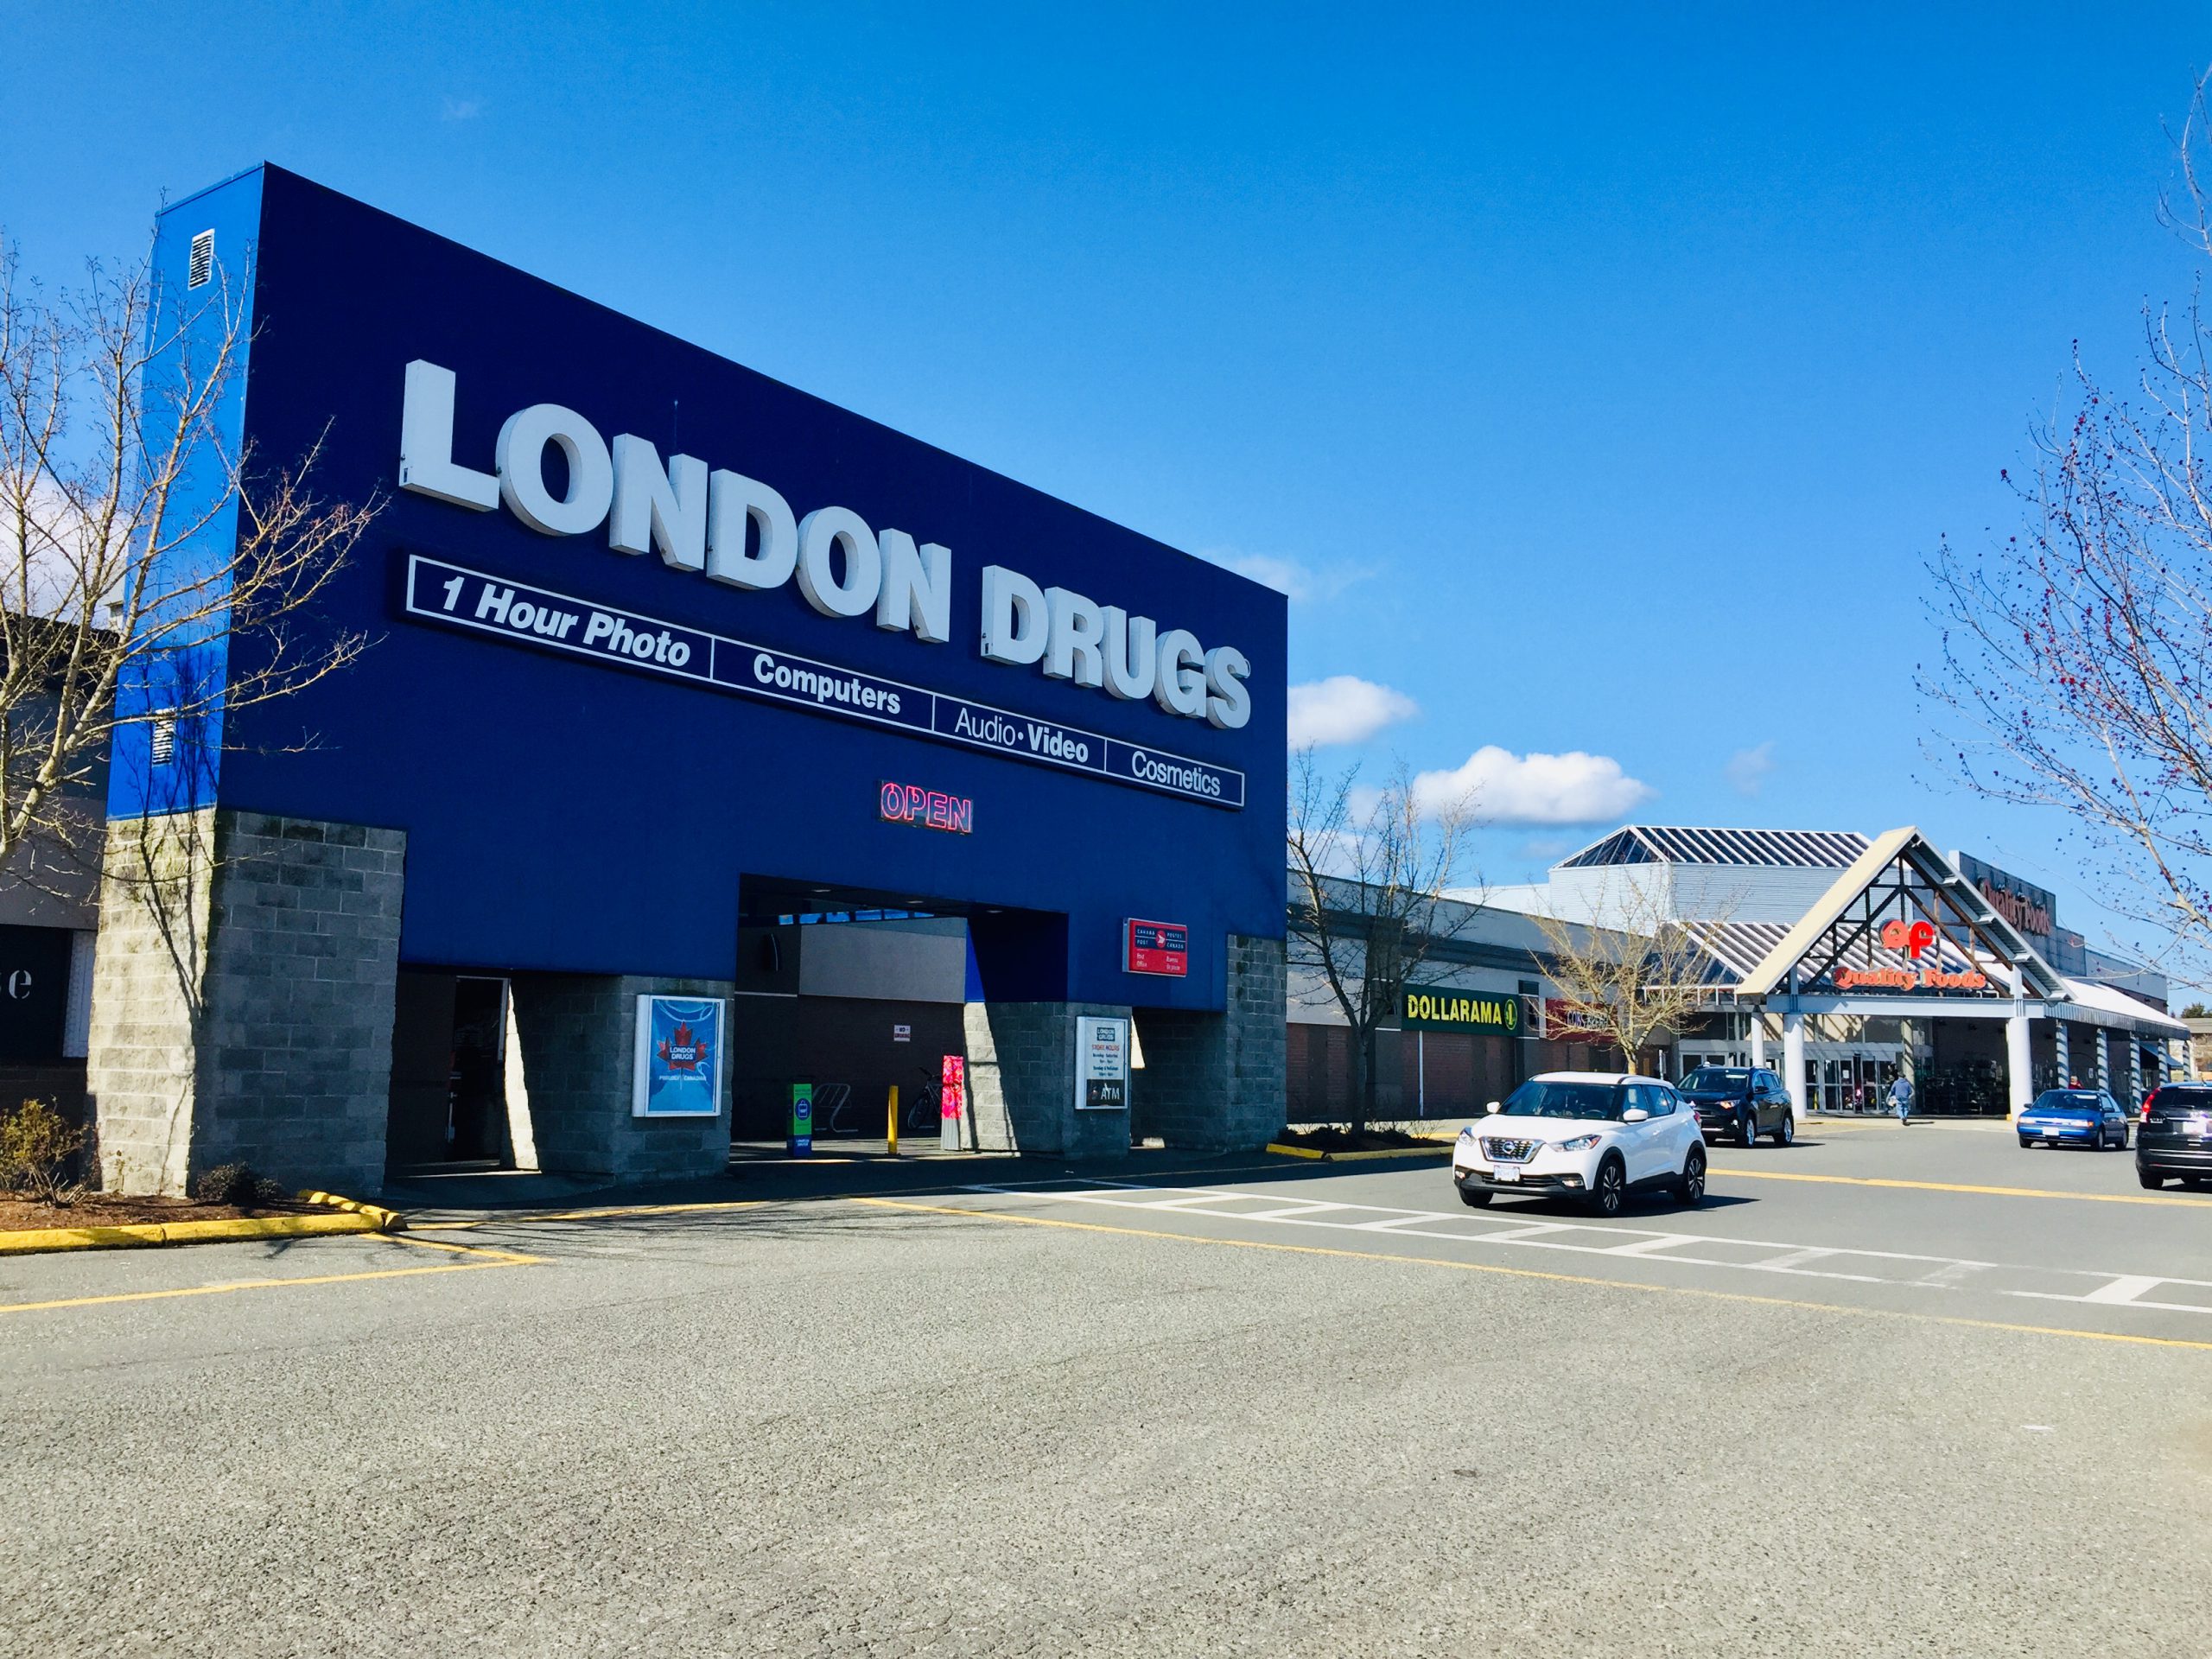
1635,977
138,544
1369,870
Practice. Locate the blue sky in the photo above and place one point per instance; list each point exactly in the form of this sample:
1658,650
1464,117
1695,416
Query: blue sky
1596,384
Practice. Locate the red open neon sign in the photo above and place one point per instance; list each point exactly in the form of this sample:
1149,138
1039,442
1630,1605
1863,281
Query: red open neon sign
932,809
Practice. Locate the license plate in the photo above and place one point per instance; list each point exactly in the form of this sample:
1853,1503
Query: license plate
1505,1174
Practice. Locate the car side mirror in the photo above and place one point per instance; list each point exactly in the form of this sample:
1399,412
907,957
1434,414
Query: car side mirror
1490,1110
1635,1115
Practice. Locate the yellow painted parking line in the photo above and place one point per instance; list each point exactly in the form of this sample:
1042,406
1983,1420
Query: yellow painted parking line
1538,1273
588,1215
479,1260
1732,1171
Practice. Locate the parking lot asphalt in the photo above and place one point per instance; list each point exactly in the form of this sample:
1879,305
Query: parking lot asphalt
1889,1391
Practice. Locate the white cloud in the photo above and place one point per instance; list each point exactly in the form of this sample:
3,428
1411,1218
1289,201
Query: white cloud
1747,768
1301,581
1343,708
1508,788
462,109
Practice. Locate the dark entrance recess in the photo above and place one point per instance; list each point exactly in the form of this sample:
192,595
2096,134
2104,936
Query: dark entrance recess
449,1072
33,992
887,1014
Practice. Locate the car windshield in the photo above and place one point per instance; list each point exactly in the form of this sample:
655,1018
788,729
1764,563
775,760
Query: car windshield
1540,1098
1718,1079
2065,1100
2186,1098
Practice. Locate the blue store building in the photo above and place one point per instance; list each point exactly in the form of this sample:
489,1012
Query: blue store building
673,683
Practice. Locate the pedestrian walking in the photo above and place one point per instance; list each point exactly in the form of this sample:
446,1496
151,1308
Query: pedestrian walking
1901,1099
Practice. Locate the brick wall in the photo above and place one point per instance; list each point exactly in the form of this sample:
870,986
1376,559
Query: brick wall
1021,1082
1215,1081
577,1035
1258,978
242,1000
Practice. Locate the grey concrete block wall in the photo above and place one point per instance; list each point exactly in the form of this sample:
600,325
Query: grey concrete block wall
1021,1082
1215,1081
576,1034
1257,1042
242,1000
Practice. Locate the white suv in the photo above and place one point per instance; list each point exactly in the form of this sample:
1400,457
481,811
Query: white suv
1596,1136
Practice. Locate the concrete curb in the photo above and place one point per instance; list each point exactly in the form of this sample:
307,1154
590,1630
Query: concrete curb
352,1217
387,1221
1442,1149
150,1235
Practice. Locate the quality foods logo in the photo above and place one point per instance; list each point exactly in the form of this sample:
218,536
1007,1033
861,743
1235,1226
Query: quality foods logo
1911,938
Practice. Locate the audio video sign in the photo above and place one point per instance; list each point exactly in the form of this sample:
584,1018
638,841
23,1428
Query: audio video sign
715,524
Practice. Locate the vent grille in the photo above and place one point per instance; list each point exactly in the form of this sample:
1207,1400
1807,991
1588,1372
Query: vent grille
164,739
203,260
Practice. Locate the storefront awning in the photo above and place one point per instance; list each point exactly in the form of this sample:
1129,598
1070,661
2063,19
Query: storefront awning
2101,1005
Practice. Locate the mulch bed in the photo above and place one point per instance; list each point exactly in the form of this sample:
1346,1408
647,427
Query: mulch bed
1337,1140
105,1209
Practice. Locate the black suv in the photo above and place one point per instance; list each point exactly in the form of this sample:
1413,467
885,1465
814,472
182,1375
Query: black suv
2175,1137
1744,1100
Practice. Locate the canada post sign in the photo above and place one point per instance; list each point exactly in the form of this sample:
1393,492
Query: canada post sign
449,595
1444,1009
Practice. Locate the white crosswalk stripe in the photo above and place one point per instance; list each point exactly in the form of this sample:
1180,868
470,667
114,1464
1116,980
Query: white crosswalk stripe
1904,1269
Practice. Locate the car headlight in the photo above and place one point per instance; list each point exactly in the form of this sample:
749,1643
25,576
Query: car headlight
1580,1143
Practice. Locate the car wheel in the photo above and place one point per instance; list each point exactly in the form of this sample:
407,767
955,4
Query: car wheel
1474,1198
2027,1143
2154,1182
1608,1191
1747,1132
1691,1188
1788,1130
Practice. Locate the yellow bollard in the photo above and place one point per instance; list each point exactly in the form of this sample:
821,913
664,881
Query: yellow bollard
893,1136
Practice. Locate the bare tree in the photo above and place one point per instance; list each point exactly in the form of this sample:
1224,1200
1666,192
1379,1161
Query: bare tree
141,546
1633,975
2077,656
1368,871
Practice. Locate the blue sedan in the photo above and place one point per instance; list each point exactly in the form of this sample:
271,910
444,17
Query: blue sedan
2084,1118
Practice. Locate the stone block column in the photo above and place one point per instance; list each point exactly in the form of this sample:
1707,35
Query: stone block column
1021,1082
1215,1082
242,1000
577,1035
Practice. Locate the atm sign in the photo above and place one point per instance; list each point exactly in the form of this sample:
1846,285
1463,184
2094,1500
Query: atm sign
1156,947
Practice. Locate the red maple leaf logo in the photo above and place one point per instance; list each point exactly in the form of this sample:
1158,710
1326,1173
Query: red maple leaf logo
680,1053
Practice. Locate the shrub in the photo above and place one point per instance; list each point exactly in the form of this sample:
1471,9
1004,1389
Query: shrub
240,1185
38,1147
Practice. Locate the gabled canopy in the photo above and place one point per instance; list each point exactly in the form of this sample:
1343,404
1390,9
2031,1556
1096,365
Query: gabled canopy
1901,877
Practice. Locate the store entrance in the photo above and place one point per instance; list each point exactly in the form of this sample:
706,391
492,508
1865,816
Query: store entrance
850,994
448,1072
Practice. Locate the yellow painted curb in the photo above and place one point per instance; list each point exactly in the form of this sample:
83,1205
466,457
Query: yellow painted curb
1439,1149
147,1234
387,1221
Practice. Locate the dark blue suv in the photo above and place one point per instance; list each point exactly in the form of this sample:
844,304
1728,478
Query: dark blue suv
1742,1101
